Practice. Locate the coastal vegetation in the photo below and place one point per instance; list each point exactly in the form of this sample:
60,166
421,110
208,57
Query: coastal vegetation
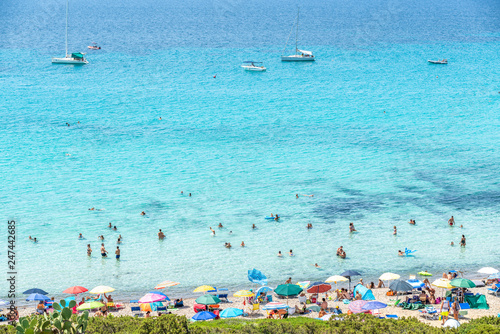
357,323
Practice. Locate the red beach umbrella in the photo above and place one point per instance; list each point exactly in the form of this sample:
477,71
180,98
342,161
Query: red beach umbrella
74,290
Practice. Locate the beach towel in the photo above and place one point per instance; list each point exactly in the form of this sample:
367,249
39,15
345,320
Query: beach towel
477,302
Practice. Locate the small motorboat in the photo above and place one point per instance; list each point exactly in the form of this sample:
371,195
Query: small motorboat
94,47
251,66
444,61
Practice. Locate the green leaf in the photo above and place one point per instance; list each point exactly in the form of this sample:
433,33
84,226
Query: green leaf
66,313
25,323
72,304
63,303
57,324
67,325
29,331
56,306
20,329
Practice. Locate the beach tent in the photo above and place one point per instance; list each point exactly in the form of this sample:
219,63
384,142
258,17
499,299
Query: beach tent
477,302
366,294
255,276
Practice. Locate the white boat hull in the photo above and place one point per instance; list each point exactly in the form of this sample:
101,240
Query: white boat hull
297,58
67,60
254,68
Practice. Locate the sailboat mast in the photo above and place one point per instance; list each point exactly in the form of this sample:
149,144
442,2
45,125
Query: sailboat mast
67,3
297,32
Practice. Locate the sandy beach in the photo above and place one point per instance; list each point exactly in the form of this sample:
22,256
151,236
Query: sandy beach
380,295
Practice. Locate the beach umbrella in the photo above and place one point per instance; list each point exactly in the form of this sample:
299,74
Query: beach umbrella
166,284
101,289
4,302
389,276
462,283
35,290
415,283
202,316
400,286
288,290
304,284
37,296
275,306
494,276
264,289
161,294
89,306
349,274
319,287
231,313
74,290
150,306
243,293
314,308
356,306
487,270
442,283
336,278
151,298
207,300
204,288
374,305
452,323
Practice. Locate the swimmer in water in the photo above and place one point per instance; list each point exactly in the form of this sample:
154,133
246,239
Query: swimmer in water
104,252
89,250
160,118
182,192
213,231
412,222
316,265
161,235
277,217
462,241
220,225
114,228
242,244
110,226
272,216
351,227
290,253
189,194
452,244
91,209
101,237
30,238
119,241
142,214
117,252
35,241
230,232
120,237
296,195
279,254
395,231
80,236
400,253
451,221
253,226
228,245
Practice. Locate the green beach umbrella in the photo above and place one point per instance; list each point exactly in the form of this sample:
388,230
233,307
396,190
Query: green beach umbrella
288,290
89,306
462,283
208,300
314,308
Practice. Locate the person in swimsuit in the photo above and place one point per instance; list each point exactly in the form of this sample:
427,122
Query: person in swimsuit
289,280
114,228
80,236
142,214
117,253
279,254
445,310
242,244
213,231
89,250
400,253
110,225
351,227
161,235
253,226
451,221
220,225
462,241
395,231
104,252
290,253
380,284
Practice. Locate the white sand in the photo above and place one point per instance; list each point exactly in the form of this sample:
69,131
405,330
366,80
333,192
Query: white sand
380,295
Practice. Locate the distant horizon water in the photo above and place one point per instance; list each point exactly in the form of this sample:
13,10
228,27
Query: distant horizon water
377,134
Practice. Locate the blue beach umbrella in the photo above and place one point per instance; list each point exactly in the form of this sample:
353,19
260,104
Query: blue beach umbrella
35,290
37,296
201,316
494,276
264,289
4,302
231,312
374,305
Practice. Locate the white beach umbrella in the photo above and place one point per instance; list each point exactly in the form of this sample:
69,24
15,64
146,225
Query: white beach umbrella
487,271
452,323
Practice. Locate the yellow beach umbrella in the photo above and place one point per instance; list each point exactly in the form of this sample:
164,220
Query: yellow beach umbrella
101,289
244,293
166,284
389,276
336,278
304,284
442,283
204,288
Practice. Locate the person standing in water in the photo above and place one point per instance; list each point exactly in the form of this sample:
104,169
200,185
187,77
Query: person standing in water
89,250
117,252
161,235
104,252
395,231
462,241
351,228
451,221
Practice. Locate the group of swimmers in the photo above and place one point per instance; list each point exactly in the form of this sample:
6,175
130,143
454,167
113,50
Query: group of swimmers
289,253
341,252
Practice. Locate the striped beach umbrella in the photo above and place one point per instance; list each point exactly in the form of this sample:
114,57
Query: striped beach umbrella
356,306
166,284
204,288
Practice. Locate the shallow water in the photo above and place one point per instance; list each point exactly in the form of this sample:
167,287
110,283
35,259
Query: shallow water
373,131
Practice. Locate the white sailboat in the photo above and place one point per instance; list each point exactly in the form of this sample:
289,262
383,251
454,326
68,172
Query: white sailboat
300,55
76,58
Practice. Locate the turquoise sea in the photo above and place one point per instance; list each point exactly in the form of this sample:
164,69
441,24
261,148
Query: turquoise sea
377,134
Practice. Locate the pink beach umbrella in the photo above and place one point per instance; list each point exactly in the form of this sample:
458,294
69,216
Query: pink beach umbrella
151,298
356,306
